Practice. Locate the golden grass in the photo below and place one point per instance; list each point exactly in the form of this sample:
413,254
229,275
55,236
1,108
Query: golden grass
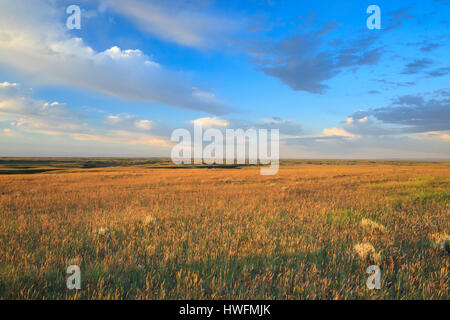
367,253
372,225
142,233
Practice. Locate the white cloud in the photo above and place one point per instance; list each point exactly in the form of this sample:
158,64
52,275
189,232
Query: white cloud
351,120
8,132
7,84
210,122
143,124
441,135
336,132
363,120
34,41
116,53
127,121
113,119
16,101
124,137
24,113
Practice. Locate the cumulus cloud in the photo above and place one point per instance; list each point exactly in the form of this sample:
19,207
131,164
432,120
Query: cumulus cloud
336,132
367,126
17,105
143,124
34,42
129,121
210,122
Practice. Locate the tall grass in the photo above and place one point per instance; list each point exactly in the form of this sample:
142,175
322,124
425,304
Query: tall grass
140,233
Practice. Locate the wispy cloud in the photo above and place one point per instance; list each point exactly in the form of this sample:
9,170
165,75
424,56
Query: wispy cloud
440,72
418,65
188,23
305,63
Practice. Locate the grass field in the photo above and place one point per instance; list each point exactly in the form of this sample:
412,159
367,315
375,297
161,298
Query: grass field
143,229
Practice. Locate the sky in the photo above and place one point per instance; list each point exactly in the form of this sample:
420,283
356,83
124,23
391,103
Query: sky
137,70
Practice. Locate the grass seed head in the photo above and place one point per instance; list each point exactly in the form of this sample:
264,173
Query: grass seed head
149,220
366,252
102,232
442,241
370,224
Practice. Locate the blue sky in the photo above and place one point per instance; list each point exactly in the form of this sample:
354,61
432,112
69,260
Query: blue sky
137,70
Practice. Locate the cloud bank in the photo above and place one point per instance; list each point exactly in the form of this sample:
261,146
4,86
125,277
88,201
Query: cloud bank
28,115
33,42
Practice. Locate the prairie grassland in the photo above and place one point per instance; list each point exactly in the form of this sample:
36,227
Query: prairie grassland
145,233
